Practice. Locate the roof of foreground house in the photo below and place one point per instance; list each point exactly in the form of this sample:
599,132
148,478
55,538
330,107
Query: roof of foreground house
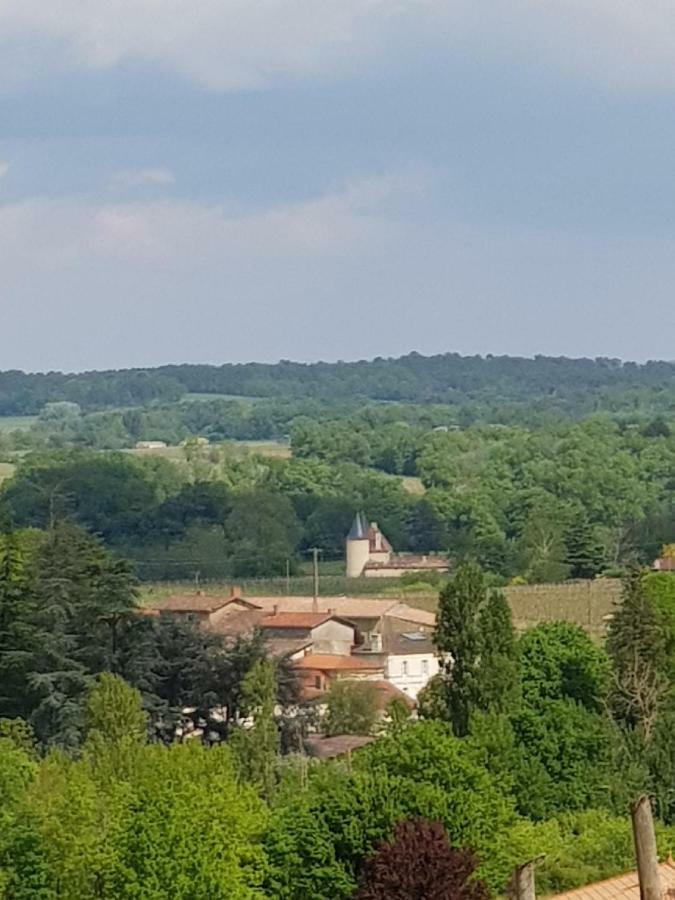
623,887
348,607
199,602
307,620
326,662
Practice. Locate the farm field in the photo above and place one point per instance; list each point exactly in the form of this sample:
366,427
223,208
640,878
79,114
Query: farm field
6,471
273,449
14,423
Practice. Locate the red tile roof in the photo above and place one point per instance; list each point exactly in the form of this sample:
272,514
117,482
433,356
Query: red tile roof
296,619
300,620
325,662
200,603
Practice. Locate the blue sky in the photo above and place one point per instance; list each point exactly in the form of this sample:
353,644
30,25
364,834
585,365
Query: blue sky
226,180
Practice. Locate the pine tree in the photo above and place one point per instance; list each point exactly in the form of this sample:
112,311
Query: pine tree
474,634
583,554
14,601
636,645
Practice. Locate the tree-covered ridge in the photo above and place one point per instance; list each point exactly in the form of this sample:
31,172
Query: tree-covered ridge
569,386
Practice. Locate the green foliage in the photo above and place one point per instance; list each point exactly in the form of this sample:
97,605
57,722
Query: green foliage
560,662
475,632
351,708
256,746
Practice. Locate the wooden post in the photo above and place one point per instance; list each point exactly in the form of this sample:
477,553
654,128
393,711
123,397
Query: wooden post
645,850
521,886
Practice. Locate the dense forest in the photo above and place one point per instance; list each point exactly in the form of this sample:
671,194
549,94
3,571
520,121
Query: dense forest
570,386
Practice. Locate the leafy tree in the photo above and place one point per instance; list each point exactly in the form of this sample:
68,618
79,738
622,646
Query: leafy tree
559,661
263,531
420,863
351,707
474,632
257,745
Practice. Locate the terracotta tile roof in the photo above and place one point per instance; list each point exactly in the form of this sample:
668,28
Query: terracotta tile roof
623,887
325,662
415,563
328,747
199,603
297,620
386,692
279,647
349,607
238,624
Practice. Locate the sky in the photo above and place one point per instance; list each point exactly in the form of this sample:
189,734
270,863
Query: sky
234,180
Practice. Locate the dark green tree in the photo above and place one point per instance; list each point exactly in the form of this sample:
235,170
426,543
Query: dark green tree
474,633
583,553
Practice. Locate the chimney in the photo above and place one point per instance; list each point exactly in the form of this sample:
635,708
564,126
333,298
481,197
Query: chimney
275,609
235,591
331,611
645,850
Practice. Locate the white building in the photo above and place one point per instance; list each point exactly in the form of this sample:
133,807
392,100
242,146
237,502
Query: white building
369,554
407,654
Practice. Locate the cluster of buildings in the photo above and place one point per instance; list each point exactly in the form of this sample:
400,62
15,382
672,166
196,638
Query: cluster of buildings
370,555
325,639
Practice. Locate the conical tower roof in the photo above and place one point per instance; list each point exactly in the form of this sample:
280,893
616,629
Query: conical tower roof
359,529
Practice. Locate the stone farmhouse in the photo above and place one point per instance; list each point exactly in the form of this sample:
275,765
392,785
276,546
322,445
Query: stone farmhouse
369,554
328,638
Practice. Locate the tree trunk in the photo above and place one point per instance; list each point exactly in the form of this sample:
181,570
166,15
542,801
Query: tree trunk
645,850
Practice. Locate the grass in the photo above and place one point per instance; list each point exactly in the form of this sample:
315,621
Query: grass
15,423
6,471
271,449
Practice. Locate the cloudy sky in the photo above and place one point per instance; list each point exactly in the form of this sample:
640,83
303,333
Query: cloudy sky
226,180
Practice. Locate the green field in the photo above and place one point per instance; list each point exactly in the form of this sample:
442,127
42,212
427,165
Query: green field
272,449
6,470
15,423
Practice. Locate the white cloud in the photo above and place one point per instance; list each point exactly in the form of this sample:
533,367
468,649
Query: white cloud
56,232
4,168
230,44
158,177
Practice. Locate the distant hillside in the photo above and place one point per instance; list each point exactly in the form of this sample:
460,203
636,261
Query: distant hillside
572,386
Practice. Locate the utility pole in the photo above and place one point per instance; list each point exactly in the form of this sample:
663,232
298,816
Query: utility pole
288,577
315,569
645,850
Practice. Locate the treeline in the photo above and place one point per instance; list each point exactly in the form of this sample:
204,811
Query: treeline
575,502
528,745
23,394
214,513
486,385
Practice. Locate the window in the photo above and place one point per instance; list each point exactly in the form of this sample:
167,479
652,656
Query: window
317,682
404,668
425,667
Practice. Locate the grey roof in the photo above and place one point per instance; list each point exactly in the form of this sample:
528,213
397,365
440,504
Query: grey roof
359,529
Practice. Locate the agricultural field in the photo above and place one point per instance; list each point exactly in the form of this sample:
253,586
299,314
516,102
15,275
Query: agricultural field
16,423
6,471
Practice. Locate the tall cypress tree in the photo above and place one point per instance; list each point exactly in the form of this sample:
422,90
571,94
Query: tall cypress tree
475,636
